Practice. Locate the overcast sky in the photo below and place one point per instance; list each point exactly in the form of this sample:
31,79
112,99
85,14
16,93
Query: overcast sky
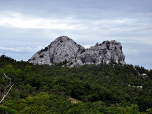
26,26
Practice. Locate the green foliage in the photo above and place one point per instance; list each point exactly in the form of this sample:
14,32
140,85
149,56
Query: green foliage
103,42
7,110
99,88
63,63
45,49
149,111
82,51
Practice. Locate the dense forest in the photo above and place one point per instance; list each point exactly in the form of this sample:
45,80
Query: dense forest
89,89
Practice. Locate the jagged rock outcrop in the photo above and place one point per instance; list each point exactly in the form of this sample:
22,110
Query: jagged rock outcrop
65,48
106,52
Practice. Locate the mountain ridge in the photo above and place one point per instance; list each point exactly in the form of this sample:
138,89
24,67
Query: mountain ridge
64,48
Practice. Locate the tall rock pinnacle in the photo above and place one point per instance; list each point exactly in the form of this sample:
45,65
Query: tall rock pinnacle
65,48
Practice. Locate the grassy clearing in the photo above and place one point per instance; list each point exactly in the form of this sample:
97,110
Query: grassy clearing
74,100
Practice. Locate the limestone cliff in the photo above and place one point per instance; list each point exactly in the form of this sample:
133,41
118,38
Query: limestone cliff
106,52
65,48
59,50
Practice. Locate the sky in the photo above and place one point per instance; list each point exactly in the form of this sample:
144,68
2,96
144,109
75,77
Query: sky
26,26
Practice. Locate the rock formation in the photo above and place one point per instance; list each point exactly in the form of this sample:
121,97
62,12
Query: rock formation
59,50
106,52
65,48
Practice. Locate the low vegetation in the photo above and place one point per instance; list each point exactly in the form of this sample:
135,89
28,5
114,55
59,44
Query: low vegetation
89,89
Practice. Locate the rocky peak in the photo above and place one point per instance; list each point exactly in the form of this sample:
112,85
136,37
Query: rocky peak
59,50
105,52
65,48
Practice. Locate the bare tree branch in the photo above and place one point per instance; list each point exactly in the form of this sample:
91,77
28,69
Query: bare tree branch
7,78
5,93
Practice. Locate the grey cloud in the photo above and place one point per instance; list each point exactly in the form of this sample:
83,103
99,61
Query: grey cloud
91,21
81,9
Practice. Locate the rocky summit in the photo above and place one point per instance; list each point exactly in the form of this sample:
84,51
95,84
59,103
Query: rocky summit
59,50
76,55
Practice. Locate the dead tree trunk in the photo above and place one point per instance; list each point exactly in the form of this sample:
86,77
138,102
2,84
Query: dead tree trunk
5,89
0,92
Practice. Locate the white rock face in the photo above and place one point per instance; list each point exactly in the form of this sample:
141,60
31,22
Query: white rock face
59,50
108,51
65,48
144,75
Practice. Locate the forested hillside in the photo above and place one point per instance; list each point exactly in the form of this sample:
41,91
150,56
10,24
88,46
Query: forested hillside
96,89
